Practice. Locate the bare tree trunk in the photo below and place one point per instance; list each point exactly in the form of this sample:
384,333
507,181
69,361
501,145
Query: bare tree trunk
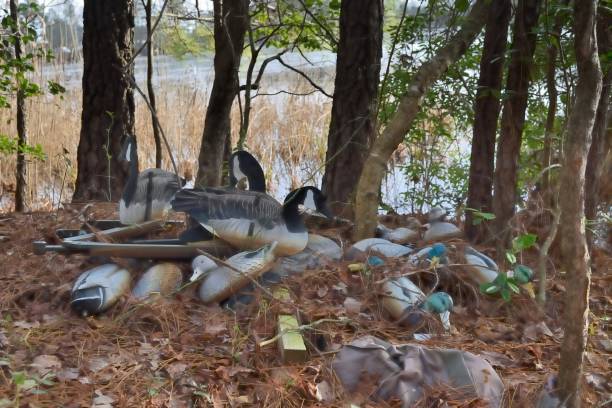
486,113
513,119
353,120
599,146
231,19
401,122
150,91
21,186
108,98
572,226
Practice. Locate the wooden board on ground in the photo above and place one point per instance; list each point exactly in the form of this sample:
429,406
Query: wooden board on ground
290,343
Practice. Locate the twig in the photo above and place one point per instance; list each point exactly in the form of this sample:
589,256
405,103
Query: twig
302,327
303,74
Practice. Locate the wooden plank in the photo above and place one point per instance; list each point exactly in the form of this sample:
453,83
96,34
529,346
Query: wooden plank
291,344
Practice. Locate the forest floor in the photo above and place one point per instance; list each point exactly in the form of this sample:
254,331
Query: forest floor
178,352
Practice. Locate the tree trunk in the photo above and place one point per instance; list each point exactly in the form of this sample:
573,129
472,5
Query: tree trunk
599,146
21,185
486,113
548,192
572,226
513,119
108,98
353,120
366,204
150,90
231,19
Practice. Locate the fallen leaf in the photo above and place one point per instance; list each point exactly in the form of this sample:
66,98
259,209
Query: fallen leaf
98,363
215,329
535,331
21,324
101,400
352,306
68,374
596,381
606,344
176,370
84,380
322,291
45,364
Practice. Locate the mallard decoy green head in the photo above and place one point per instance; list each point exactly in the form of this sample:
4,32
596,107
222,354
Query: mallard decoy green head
438,302
99,288
522,274
244,168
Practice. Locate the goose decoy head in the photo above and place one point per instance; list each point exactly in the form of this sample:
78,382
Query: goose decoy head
436,214
201,265
310,200
244,168
128,149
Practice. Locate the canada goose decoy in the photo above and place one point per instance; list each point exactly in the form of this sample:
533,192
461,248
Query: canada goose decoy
163,278
97,289
482,268
221,282
245,173
380,246
251,219
438,229
147,194
403,300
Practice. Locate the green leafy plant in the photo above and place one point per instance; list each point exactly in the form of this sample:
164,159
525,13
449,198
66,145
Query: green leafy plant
479,216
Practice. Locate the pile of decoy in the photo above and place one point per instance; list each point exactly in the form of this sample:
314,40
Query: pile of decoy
273,237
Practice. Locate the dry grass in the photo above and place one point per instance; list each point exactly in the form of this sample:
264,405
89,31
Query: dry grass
287,134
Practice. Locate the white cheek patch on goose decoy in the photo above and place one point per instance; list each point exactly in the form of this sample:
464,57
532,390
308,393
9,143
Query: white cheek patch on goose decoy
241,179
128,151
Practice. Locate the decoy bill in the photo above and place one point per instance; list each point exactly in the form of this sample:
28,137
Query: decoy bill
147,194
251,219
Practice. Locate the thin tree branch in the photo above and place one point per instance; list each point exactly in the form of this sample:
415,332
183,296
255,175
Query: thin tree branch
306,77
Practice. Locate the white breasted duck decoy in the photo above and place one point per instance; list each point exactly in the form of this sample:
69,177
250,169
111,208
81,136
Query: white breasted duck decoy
250,219
438,229
97,289
163,278
379,246
220,282
147,194
403,298
482,268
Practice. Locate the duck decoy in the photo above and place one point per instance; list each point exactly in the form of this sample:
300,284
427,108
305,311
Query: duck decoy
147,194
438,229
404,301
163,278
379,246
401,235
220,282
250,219
437,250
97,289
482,268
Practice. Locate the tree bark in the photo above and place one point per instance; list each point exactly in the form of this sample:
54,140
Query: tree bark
21,186
601,134
572,226
108,98
513,119
231,19
486,113
150,90
383,147
353,120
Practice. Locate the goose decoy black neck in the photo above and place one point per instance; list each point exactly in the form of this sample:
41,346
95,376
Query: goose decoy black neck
243,166
130,155
305,200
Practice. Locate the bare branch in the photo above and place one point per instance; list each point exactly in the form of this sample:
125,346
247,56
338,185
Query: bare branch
306,77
